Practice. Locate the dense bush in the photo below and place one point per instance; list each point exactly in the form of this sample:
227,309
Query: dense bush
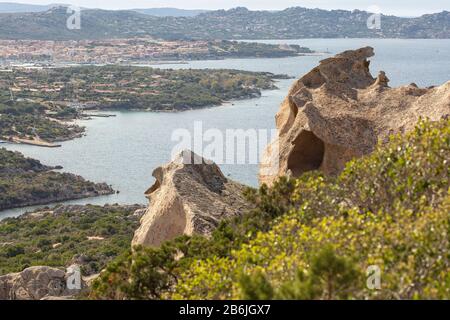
60,236
314,237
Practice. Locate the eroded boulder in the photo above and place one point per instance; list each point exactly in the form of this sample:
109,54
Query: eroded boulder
190,196
338,111
37,283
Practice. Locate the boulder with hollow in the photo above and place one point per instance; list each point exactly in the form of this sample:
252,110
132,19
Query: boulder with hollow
339,111
190,196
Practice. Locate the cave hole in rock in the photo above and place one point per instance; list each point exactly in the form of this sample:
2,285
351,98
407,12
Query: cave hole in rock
307,154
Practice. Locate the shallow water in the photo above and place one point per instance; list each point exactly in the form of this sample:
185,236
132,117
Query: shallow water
124,150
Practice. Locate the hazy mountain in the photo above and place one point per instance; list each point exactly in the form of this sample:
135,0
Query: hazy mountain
170,12
51,24
10,7
238,23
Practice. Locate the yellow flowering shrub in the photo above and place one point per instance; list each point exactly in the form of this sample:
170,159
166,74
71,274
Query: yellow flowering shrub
317,237
391,209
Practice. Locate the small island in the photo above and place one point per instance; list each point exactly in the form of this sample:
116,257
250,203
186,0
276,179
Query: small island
26,182
38,106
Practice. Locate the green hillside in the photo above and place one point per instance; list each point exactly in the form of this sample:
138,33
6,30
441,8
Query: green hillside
237,23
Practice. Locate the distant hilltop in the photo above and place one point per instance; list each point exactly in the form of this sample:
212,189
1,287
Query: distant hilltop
237,23
12,7
170,12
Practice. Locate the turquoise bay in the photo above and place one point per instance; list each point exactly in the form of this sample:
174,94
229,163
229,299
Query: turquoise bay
124,150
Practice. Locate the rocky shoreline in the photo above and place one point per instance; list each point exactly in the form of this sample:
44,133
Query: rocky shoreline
101,189
27,182
138,88
53,143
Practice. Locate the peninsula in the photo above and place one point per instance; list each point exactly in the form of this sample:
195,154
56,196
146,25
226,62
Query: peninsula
26,182
37,106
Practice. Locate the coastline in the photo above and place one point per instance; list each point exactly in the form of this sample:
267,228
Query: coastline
92,200
34,142
405,74
8,212
56,201
150,63
99,112
40,142
223,103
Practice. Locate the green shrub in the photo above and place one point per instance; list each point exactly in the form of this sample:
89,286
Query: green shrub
314,237
55,238
330,277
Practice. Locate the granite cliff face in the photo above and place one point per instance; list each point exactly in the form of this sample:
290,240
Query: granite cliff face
190,196
338,111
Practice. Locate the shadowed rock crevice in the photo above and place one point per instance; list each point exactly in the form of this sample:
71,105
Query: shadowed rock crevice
307,153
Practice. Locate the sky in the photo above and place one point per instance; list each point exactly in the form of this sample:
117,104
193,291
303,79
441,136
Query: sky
397,7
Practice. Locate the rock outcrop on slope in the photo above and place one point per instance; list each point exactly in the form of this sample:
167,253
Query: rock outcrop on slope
338,111
190,196
36,283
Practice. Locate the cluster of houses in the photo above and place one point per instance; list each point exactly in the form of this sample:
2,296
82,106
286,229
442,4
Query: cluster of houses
99,51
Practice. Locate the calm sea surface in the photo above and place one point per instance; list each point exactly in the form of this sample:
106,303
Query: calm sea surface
124,150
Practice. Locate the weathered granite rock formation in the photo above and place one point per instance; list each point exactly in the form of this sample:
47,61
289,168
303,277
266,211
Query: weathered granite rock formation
37,283
190,196
338,111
